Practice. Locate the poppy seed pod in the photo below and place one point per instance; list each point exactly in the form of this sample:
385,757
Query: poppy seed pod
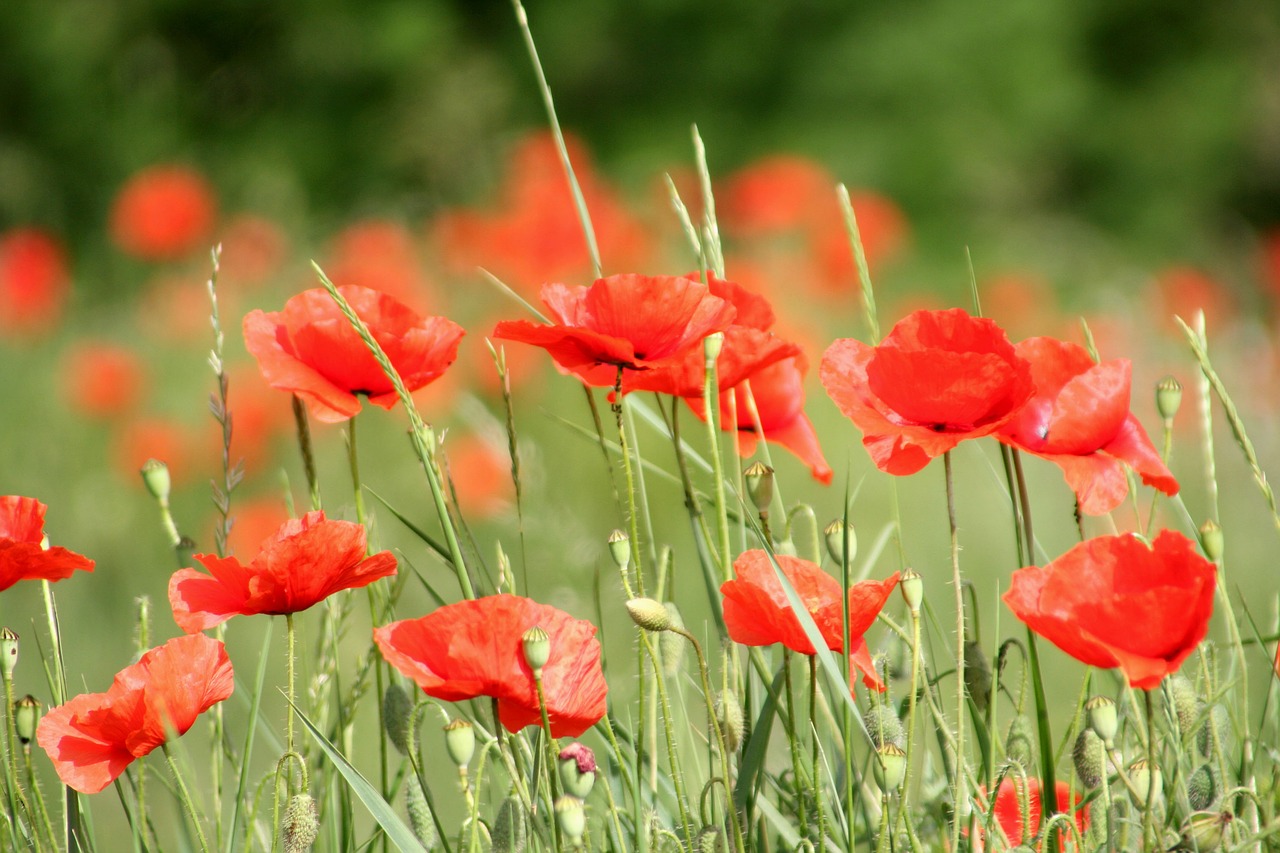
912,586
1144,775
759,481
572,818
712,345
537,649
890,766
620,549
460,742
841,539
577,770
1102,718
155,476
300,824
1168,397
1211,540
26,716
1204,830
8,652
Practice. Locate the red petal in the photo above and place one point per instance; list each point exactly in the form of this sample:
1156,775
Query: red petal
264,337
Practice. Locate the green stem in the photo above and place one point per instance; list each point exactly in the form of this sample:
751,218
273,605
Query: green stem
1148,830
802,811
813,733
553,778
303,430
959,795
677,778
711,403
185,795
289,667
903,812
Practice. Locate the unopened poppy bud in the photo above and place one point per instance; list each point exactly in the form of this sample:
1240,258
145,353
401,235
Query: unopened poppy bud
1202,788
912,586
155,476
649,614
1211,540
1102,718
537,649
733,724
711,346
460,742
841,539
620,549
1186,704
759,479
672,643
504,568
8,652
397,708
26,715
420,819
1144,775
1204,830
977,674
1018,747
711,839
1217,727
890,766
510,827
572,818
577,770
300,825
883,726
1089,757
1168,397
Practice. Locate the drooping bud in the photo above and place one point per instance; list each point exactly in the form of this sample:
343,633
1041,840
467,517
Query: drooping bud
397,708
577,770
711,346
420,819
890,766
912,587
841,539
155,476
1202,788
732,722
620,549
649,614
672,643
572,818
711,839
1185,704
1089,756
1211,540
977,674
537,649
1168,397
26,716
1102,718
300,824
1144,775
1018,746
8,652
759,480
1216,727
510,827
884,727
460,742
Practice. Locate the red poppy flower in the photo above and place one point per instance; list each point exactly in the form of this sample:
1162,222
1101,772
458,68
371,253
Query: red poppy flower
757,613
1008,810
938,378
1079,419
1115,601
23,555
306,561
163,212
95,736
635,322
473,648
103,380
33,280
310,349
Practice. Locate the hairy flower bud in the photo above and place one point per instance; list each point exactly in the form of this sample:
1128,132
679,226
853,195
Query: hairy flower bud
672,643
1202,788
732,722
884,727
977,674
1018,746
510,827
1216,727
1186,704
397,708
300,824
1089,756
649,614
420,819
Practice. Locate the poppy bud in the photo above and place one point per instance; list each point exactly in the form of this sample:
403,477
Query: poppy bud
671,643
26,715
1143,774
397,708
649,614
1018,747
841,538
1211,540
732,723
1185,705
1168,397
537,649
1204,830
1089,756
300,825
420,820
890,766
1102,718
577,770
620,549
1202,788
711,346
911,584
572,818
977,674
884,727
460,742
759,479
8,652
711,839
1217,726
155,476
510,827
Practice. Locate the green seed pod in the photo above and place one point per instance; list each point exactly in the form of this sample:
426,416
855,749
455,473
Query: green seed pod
1103,718
1204,830
577,770
572,817
300,825
397,708
510,827
460,742
759,481
884,727
420,820
1018,745
732,722
26,716
649,614
1185,705
1089,756
840,539
8,652
977,674
711,839
912,587
711,346
155,476
537,649
620,549
1217,726
1144,775
671,643
1168,398
890,767
1211,540
1202,788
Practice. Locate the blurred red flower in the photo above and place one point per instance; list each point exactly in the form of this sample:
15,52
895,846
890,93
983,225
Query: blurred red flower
378,255
1008,810
256,519
473,648
164,439
757,613
938,378
630,322
23,551
480,473
95,736
33,281
307,560
1184,291
162,213
102,380
1079,419
253,250
1114,601
310,350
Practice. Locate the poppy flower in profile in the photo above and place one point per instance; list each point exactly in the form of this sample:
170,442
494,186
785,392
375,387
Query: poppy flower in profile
473,648
163,213
102,380
1008,810
307,560
757,612
1115,601
309,349
630,322
33,280
23,555
938,378
1079,419
95,736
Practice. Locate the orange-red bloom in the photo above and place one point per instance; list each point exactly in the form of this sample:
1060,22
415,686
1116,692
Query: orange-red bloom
473,648
33,280
310,349
103,380
938,378
1079,419
757,613
95,736
163,212
632,322
1008,810
23,555
306,561
1115,601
